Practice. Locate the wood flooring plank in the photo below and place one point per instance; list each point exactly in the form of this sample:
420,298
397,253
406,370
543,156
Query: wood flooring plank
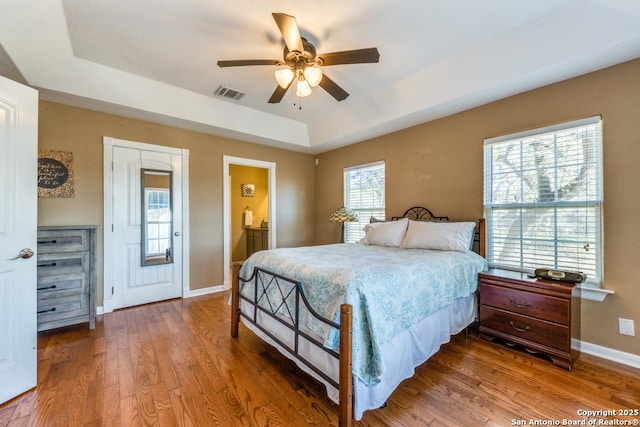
78,397
129,413
126,378
111,414
92,409
163,405
45,410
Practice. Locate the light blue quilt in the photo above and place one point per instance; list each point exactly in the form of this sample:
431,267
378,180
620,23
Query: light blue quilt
390,289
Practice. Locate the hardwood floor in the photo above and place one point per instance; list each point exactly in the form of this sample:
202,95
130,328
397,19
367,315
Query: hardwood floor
173,363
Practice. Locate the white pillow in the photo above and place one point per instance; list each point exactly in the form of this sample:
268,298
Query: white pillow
441,236
385,233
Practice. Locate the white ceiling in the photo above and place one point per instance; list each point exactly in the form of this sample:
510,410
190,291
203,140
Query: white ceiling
156,59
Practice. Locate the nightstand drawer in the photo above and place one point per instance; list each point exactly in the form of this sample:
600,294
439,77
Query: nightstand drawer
525,327
531,304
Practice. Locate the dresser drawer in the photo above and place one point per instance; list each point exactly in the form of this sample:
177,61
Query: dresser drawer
63,272
62,240
525,327
58,288
52,309
531,304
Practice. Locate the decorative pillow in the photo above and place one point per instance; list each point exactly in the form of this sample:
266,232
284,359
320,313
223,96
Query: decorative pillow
385,233
441,236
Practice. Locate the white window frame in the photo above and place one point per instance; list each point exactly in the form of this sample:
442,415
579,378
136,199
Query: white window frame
593,203
353,230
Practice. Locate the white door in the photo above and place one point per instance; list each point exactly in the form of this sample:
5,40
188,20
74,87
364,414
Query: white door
135,283
18,224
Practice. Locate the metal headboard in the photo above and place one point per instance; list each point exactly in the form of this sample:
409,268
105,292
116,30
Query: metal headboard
418,213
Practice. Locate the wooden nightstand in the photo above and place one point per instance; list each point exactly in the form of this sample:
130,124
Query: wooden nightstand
536,314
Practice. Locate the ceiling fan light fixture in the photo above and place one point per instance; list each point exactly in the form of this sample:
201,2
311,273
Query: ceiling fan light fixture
302,88
313,75
284,76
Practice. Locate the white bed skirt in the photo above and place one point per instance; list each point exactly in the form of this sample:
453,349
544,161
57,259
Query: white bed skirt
401,355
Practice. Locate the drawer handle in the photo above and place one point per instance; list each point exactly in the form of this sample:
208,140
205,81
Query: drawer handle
48,287
47,311
48,242
513,325
518,304
53,264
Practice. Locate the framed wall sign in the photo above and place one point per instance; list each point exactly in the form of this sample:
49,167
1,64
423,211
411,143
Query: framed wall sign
55,174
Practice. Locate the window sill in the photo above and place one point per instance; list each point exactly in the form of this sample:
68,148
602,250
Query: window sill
591,293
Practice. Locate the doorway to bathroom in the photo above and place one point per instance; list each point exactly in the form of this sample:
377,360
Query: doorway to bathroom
249,209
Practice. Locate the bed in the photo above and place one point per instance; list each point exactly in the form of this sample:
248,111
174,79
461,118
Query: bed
359,317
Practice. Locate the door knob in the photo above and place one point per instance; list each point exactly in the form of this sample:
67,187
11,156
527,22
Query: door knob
177,234
26,253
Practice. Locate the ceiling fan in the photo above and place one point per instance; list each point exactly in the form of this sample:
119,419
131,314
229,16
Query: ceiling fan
302,65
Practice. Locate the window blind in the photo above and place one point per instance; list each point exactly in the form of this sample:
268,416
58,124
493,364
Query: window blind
543,199
364,192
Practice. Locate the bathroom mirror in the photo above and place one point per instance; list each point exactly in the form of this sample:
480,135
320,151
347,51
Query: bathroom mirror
157,230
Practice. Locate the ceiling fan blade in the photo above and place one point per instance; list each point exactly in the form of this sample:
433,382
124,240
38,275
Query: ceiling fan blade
357,56
243,62
290,33
278,94
332,88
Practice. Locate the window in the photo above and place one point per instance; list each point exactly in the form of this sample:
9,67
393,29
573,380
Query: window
364,193
158,221
543,199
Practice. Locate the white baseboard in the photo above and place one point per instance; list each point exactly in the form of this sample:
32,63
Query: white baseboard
204,291
607,353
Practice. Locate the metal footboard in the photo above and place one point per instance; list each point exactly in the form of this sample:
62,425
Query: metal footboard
279,298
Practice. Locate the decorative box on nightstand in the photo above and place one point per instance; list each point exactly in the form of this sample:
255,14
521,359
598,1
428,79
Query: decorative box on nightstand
536,314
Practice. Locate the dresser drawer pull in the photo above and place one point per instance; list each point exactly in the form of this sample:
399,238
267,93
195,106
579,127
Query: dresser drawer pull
48,242
513,325
47,311
518,304
52,264
48,287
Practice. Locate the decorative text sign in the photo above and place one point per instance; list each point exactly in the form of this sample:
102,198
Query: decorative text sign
55,174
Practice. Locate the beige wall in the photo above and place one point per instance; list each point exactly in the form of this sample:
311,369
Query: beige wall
440,165
259,205
80,131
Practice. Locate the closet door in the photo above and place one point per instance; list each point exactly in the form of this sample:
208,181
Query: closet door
134,280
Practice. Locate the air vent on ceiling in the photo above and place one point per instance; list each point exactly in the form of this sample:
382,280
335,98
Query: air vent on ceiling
227,92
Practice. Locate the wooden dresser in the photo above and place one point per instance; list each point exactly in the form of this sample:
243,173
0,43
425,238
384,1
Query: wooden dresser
536,314
257,239
66,276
